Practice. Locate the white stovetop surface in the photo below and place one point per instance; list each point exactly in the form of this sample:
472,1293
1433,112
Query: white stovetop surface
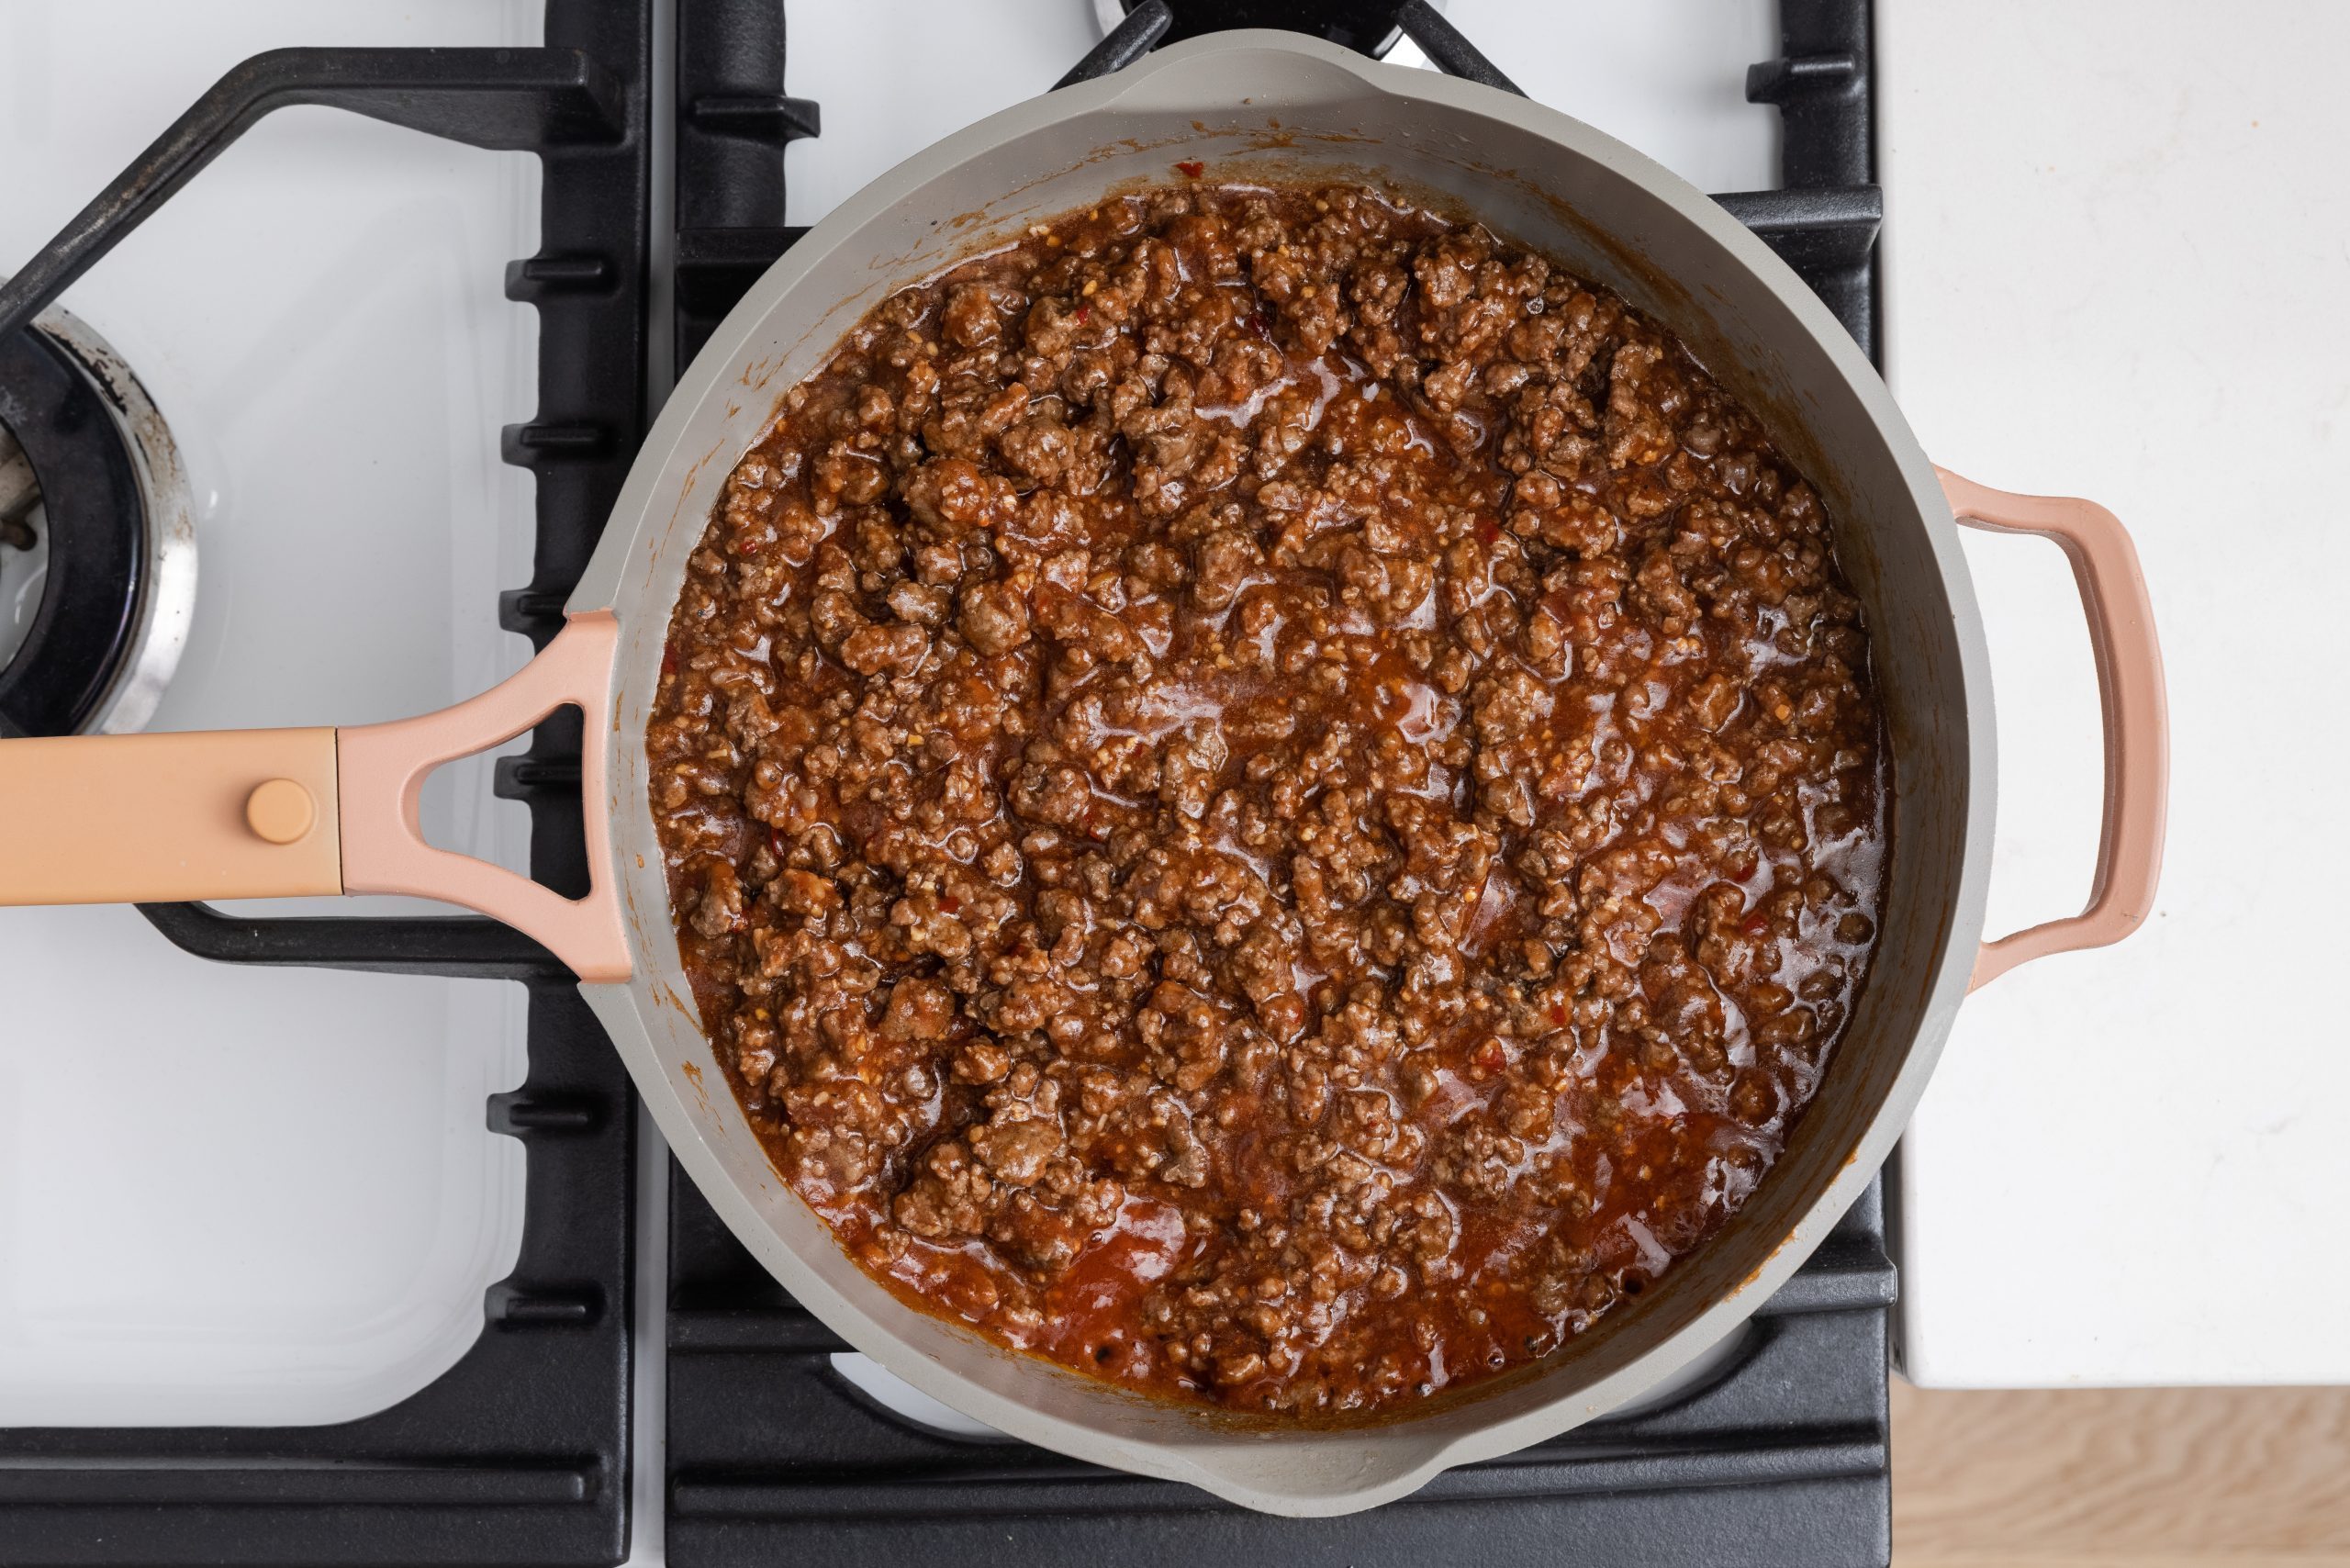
2118,265
269,1195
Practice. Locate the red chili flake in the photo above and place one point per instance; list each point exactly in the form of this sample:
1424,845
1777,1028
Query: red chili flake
1757,924
1191,169
1489,531
1558,1015
1084,314
1262,327
668,661
775,840
1489,1057
949,903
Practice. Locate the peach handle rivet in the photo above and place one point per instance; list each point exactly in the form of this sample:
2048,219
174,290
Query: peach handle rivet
280,811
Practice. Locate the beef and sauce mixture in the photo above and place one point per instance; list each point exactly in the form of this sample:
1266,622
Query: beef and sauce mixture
1268,798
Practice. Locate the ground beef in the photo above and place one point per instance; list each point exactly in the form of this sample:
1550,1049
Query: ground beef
1269,797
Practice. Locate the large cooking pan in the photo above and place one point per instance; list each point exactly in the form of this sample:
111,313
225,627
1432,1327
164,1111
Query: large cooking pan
302,811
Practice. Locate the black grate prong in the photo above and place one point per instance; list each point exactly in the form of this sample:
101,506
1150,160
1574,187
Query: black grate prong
1134,36
509,99
1448,48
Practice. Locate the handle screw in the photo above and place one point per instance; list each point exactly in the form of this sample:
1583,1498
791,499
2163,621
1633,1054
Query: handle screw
281,812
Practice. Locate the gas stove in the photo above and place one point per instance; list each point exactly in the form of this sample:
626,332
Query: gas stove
294,1297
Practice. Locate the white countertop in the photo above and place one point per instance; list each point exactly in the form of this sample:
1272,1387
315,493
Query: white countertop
2117,265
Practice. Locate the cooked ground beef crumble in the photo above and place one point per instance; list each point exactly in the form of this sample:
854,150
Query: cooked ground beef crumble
1268,798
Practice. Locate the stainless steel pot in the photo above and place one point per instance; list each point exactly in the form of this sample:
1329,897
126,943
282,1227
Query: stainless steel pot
321,811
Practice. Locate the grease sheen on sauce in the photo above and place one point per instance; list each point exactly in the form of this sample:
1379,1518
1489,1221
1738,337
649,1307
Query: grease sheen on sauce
1268,798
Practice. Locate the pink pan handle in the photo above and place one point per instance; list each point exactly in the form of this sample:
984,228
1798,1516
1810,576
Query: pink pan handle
2137,716
279,813
382,768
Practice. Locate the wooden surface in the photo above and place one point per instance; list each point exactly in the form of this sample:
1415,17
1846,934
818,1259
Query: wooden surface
2121,1478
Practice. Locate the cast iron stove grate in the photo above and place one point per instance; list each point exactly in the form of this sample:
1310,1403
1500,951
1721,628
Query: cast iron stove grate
520,1453
774,1457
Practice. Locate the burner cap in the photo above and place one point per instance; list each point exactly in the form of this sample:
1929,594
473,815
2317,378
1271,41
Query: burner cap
97,544
1367,27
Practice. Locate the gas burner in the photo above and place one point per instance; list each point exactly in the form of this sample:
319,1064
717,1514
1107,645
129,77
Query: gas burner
97,537
1367,27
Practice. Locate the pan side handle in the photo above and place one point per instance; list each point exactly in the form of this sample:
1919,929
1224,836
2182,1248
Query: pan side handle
2136,711
381,770
288,813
